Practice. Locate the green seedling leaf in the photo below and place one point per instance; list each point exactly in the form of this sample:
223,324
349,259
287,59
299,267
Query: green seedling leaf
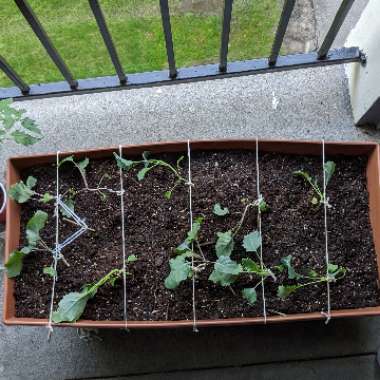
224,244
49,271
69,202
335,272
82,165
123,163
219,210
192,235
168,194
329,170
31,182
30,125
142,173
292,274
14,264
252,241
284,291
226,271
72,306
66,159
21,192
250,295
313,274
263,206
46,198
251,266
35,224
180,270
24,138
131,258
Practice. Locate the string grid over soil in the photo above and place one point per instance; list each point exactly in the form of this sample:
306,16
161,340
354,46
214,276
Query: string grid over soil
155,226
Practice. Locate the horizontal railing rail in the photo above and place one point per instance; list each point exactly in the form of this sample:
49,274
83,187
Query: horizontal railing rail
274,63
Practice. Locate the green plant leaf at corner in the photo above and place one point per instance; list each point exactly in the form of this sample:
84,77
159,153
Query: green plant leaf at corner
35,224
226,271
284,291
224,244
24,138
14,264
131,258
329,170
292,274
30,125
219,210
49,271
72,306
250,295
21,192
123,163
252,241
180,270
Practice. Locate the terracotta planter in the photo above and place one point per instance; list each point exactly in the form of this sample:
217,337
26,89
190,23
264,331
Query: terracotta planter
3,202
15,165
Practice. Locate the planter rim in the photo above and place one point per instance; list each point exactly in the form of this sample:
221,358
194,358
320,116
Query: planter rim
4,192
351,148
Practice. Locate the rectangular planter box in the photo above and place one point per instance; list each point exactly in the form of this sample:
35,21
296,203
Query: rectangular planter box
17,164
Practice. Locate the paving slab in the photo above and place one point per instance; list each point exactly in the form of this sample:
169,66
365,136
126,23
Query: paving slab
349,368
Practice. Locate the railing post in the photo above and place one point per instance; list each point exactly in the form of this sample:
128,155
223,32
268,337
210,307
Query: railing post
102,25
165,15
13,76
334,28
281,30
225,35
39,31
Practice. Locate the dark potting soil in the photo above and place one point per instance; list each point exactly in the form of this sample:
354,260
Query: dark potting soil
155,226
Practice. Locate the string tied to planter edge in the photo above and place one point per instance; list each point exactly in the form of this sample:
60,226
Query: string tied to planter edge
123,241
56,251
327,258
190,185
259,198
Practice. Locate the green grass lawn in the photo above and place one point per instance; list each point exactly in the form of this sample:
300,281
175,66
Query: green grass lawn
137,32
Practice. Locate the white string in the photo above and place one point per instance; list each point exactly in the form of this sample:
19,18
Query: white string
56,252
189,183
325,204
259,198
123,242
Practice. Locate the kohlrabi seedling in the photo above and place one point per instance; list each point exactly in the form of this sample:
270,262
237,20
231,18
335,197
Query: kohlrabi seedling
72,305
148,165
320,196
334,273
181,267
35,243
22,192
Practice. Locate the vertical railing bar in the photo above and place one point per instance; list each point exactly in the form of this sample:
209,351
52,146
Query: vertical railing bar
227,12
334,28
107,38
13,76
165,15
281,30
39,31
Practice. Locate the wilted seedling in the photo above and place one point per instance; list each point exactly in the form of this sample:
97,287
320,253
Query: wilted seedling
334,273
72,305
320,196
148,165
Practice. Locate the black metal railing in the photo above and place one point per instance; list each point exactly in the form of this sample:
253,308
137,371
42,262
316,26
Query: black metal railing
275,62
